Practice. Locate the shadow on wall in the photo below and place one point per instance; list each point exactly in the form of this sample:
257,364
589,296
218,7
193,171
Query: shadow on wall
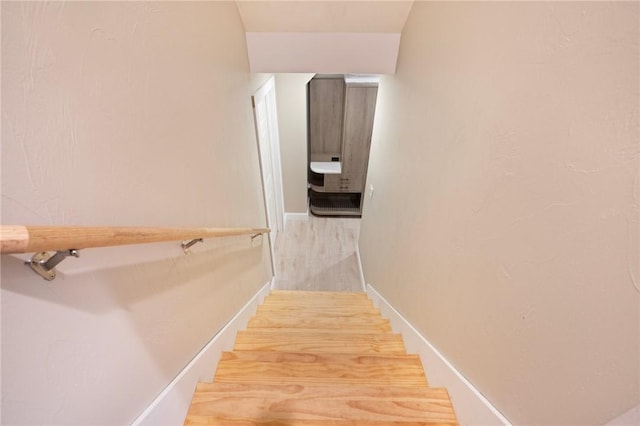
127,329
101,290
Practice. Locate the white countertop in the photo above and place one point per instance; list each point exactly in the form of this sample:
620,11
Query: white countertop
326,167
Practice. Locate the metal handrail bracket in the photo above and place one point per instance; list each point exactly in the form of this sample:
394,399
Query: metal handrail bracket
186,245
45,264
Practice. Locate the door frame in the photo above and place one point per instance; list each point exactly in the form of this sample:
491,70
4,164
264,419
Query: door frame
267,94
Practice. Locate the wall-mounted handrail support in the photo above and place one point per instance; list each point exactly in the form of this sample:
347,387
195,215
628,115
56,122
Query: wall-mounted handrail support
44,264
186,245
254,236
44,239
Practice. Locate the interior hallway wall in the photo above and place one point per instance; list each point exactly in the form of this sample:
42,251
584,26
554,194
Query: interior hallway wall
291,97
504,219
123,113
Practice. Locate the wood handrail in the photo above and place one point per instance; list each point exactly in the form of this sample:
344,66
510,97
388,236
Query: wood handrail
29,239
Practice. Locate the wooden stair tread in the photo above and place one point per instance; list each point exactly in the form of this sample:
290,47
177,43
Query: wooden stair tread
353,329
319,309
266,390
317,302
301,368
317,295
314,301
252,340
328,318
330,299
316,321
317,315
295,403
307,294
319,358
268,356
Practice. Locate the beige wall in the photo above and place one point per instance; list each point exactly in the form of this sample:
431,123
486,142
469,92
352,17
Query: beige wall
291,96
334,16
123,114
504,219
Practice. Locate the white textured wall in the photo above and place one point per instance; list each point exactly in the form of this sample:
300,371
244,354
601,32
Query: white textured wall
504,220
291,91
123,114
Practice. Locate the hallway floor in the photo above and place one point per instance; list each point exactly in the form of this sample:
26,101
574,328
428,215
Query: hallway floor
318,254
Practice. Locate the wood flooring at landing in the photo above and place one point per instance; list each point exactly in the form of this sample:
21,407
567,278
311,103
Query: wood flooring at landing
318,254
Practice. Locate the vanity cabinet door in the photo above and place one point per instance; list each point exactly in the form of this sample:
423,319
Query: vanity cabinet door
331,183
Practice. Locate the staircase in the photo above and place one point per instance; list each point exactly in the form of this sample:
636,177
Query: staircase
319,358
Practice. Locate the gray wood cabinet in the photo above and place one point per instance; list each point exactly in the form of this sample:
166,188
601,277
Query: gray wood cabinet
331,183
326,114
360,104
341,114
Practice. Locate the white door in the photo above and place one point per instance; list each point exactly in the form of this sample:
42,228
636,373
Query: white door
266,120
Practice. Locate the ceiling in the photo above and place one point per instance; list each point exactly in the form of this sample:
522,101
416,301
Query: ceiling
340,37
363,16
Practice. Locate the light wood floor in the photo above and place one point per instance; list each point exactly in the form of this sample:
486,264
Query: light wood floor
318,254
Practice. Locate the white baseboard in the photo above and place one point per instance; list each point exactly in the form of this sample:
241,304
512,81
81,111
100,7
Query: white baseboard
295,216
359,260
471,407
170,407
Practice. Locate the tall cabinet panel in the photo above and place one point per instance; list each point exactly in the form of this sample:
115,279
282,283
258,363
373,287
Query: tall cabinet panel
341,113
360,105
326,112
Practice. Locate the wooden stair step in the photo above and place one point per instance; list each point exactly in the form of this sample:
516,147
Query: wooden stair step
305,368
302,295
353,329
359,306
319,358
316,301
319,309
328,315
312,321
296,404
320,342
